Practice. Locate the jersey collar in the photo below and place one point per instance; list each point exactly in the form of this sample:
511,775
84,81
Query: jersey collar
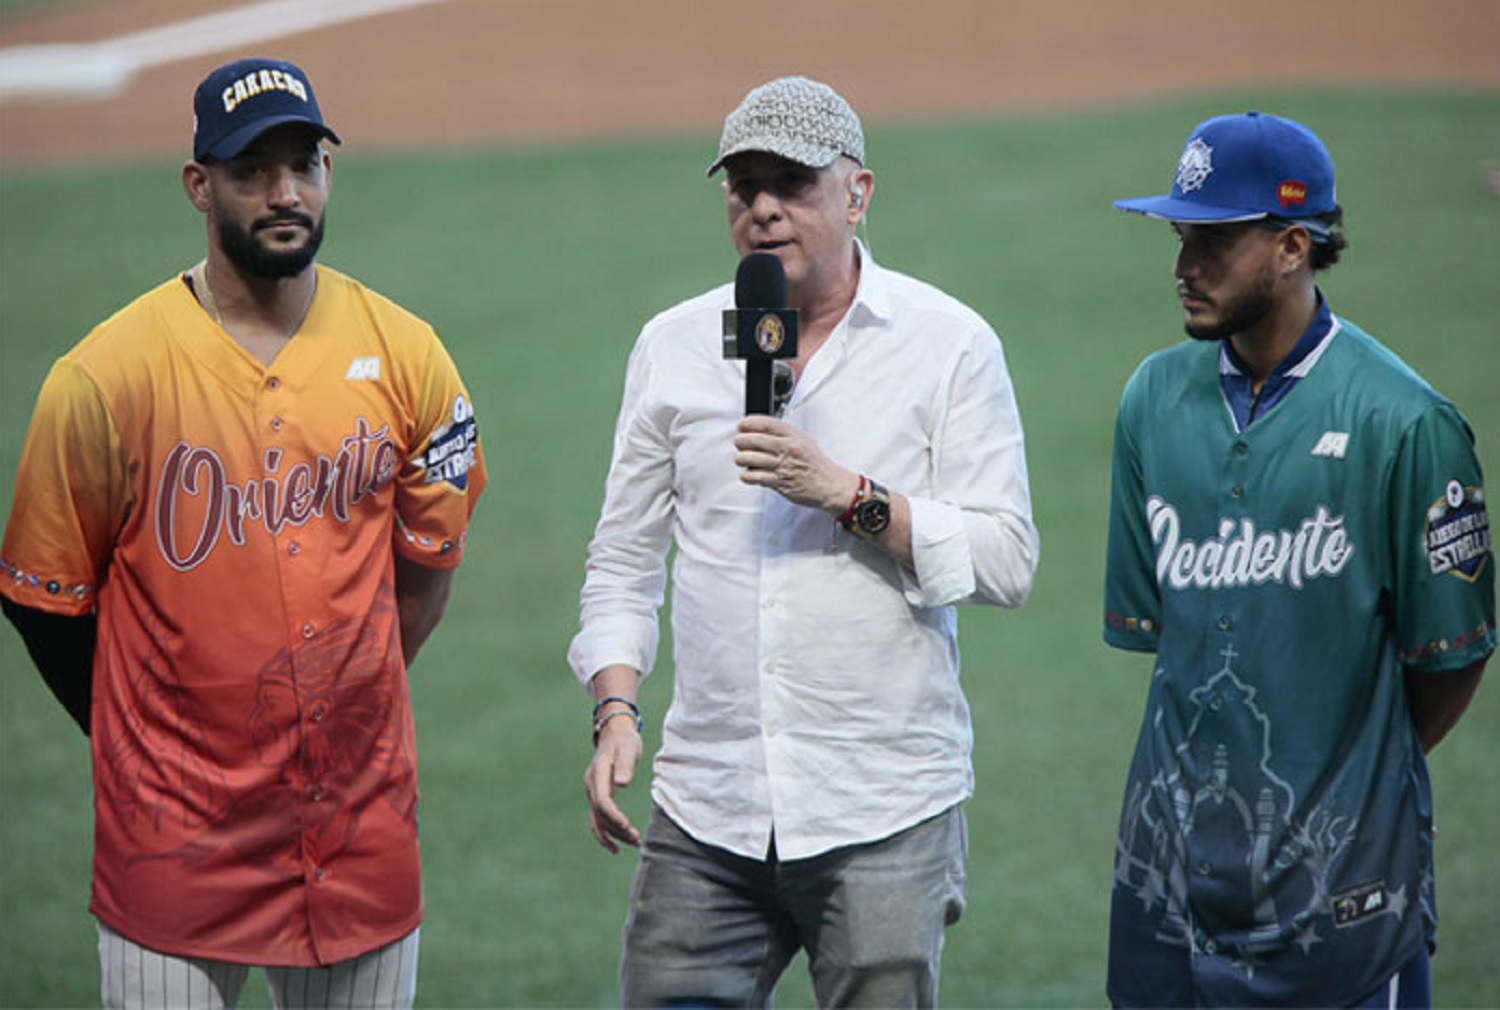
1234,377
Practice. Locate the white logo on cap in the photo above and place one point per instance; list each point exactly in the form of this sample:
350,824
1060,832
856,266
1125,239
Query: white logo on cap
258,82
1195,167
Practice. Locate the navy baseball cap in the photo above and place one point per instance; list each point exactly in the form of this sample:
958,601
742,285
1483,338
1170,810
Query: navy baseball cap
1247,167
241,100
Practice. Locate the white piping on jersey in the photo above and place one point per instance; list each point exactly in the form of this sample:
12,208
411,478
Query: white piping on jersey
1301,368
1297,371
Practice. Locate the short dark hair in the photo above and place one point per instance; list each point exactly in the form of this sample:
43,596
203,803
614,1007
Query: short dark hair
1326,253
1326,231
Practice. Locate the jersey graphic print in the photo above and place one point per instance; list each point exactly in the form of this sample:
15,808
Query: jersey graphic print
1458,532
1243,805
336,692
196,505
450,450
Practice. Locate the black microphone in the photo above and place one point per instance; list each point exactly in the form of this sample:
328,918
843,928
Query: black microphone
760,329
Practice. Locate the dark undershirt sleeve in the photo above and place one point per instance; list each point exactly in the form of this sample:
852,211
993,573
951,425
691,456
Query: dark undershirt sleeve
63,650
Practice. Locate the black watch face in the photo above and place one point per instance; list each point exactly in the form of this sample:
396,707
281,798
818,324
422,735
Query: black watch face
873,516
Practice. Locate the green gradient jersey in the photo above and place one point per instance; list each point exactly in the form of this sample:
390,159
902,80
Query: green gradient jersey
1277,818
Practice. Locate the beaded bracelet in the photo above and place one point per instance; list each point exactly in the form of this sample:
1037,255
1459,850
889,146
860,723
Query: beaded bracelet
631,709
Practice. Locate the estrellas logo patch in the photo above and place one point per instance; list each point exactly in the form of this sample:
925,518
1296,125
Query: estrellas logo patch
1458,532
450,450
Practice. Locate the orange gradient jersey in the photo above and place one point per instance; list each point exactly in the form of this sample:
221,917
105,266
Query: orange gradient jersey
235,526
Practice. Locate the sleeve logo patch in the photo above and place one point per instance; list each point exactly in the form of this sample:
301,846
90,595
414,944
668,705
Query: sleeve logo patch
450,450
1458,532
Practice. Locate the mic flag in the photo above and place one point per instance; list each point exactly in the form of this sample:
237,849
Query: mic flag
760,329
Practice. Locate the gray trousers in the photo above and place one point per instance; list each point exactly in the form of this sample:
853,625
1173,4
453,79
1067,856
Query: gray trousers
132,977
709,928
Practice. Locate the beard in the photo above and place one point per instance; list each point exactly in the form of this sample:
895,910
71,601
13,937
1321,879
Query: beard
1240,313
255,259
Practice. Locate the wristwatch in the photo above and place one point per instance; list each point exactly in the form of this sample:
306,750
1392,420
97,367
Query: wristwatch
870,513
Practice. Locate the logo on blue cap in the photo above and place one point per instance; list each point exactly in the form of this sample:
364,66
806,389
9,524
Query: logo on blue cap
1196,165
1243,168
241,100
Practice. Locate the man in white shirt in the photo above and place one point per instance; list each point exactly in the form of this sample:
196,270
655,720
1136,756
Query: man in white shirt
807,792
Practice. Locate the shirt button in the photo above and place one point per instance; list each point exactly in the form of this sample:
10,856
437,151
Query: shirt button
1236,492
770,668
308,630
319,874
1215,703
772,728
273,383
1204,870
275,424
315,792
1225,623
294,548
1210,947
1240,448
318,712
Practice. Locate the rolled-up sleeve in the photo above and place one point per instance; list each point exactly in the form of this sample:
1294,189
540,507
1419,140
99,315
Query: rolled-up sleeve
974,540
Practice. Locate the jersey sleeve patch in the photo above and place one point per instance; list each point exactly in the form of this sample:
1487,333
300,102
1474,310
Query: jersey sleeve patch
449,454
1458,532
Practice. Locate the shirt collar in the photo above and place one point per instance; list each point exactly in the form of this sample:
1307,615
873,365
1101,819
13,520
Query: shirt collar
1302,356
872,298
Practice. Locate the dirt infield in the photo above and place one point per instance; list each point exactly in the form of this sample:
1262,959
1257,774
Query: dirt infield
458,71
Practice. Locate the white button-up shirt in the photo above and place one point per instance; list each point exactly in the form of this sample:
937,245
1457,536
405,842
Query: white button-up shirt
816,689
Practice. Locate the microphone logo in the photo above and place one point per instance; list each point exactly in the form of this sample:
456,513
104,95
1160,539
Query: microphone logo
770,333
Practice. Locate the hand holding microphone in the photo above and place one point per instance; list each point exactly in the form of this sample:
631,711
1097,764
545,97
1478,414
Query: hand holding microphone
762,330
772,453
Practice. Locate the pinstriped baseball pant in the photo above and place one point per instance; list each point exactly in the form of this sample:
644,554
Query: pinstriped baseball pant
132,977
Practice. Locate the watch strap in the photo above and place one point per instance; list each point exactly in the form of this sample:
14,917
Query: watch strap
846,518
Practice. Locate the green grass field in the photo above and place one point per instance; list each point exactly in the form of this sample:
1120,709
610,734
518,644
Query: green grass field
538,266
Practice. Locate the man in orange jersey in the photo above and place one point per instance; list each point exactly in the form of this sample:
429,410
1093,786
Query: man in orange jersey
237,516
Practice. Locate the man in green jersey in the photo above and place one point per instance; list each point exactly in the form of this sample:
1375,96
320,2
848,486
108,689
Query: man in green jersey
1298,531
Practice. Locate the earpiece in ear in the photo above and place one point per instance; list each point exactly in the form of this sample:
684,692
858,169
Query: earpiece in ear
856,197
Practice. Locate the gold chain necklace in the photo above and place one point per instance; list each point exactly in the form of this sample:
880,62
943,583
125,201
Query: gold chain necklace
205,293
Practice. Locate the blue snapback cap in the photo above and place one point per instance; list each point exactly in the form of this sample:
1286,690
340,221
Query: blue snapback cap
1246,167
241,100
